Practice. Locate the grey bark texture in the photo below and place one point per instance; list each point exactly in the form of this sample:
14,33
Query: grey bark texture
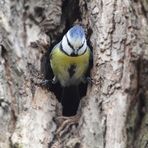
114,113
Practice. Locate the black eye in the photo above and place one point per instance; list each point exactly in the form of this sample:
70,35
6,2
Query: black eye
81,45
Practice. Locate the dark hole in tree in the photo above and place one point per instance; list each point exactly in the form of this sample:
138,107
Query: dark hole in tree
70,13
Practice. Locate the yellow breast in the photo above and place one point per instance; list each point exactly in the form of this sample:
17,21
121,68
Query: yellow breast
62,63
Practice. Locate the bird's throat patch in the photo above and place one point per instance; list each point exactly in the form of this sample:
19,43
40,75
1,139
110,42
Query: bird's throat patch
71,70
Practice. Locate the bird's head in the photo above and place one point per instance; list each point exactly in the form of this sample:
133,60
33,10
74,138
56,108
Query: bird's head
74,41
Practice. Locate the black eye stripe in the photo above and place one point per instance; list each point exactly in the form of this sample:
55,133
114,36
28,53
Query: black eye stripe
72,54
81,45
69,43
72,46
61,47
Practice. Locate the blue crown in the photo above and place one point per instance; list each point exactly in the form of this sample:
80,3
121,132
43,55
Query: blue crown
76,32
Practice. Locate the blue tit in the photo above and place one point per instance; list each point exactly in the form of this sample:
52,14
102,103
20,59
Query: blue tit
69,61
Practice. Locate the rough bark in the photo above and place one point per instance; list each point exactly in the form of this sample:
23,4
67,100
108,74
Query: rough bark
114,113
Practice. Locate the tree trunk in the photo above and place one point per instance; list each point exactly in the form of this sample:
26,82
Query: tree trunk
114,112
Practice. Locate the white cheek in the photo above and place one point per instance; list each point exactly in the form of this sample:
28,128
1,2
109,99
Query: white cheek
82,50
66,47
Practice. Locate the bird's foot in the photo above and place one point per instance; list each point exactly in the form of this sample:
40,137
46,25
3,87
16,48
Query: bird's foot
48,82
54,80
88,80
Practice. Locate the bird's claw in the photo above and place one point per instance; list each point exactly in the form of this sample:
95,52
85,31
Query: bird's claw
88,80
47,82
54,80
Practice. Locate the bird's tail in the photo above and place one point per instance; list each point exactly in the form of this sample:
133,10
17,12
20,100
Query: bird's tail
70,100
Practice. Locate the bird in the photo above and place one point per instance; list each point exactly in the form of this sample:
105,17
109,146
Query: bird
69,60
